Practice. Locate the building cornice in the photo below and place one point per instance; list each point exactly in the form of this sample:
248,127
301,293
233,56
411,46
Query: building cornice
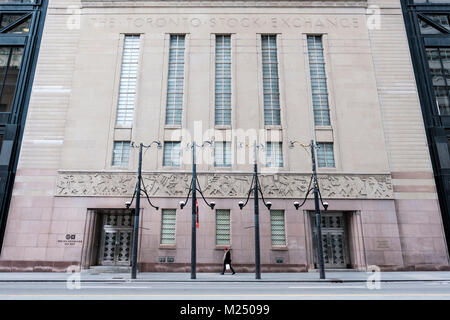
228,3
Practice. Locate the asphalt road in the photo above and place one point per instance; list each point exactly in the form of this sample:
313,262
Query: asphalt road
435,290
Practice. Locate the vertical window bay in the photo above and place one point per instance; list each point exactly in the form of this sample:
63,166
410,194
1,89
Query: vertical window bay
318,81
270,80
223,80
175,85
128,80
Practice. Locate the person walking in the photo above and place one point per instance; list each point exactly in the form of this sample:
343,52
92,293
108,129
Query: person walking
227,260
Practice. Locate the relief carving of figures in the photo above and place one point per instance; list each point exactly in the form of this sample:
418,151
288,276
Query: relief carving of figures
79,184
225,185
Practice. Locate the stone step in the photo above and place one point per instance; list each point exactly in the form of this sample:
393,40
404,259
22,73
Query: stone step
108,269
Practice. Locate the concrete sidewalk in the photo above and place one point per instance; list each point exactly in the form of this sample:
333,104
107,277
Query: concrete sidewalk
345,276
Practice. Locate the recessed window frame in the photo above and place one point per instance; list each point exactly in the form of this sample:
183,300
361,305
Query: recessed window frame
318,80
223,226
223,81
272,160
168,227
128,83
171,162
176,74
223,154
324,150
124,146
271,80
275,224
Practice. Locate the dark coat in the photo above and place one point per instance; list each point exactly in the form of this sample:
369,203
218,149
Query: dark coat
227,257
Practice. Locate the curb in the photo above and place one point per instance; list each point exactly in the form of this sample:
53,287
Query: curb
219,281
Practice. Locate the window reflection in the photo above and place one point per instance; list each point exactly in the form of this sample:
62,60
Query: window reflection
24,27
17,1
441,19
10,62
448,140
15,23
7,19
425,28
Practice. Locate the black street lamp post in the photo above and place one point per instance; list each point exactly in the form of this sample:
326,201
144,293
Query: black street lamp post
136,217
255,188
316,191
194,188
256,204
318,218
194,214
137,193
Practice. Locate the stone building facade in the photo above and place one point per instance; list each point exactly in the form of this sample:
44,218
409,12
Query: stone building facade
233,72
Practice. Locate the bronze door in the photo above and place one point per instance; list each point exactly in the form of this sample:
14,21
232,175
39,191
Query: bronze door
116,239
334,240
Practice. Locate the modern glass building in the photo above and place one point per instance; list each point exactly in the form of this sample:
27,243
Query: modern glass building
428,29
21,25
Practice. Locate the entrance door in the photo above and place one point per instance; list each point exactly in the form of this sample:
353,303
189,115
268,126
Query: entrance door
334,240
116,239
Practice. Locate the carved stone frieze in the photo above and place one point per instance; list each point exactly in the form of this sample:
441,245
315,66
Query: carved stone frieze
223,185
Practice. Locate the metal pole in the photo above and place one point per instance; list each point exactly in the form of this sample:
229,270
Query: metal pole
257,249
318,219
136,217
194,215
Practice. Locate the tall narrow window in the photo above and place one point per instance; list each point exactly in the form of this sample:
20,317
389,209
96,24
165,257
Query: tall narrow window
175,84
448,140
318,81
128,79
222,154
223,80
168,222
121,153
277,227
439,65
171,154
222,227
274,154
325,155
10,63
270,80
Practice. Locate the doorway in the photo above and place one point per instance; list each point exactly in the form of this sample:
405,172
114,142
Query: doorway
116,235
334,240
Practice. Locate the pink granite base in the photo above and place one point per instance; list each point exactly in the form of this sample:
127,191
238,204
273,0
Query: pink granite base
395,235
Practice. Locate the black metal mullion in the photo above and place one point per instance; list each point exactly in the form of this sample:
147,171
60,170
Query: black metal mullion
422,55
3,81
25,65
433,23
447,88
17,23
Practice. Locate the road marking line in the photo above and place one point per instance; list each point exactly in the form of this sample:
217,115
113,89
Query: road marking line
236,295
109,287
331,287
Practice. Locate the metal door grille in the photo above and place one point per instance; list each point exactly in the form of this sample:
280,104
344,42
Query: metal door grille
334,240
116,239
